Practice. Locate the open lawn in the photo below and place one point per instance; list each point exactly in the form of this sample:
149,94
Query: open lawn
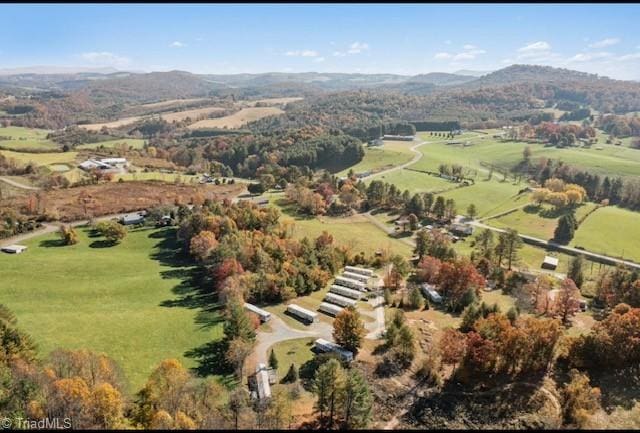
238,119
16,137
489,196
415,181
156,175
42,159
133,143
379,158
611,230
536,221
296,351
133,301
115,124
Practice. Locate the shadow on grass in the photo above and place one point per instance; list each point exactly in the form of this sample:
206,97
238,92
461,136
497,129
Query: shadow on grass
103,243
52,243
210,358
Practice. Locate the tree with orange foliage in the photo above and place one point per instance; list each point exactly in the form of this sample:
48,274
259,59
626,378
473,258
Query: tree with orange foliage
565,304
457,280
201,245
452,346
106,406
428,269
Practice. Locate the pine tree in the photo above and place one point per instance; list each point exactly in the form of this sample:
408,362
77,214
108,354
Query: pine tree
575,270
357,401
292,375
238,324
327,386
415,298
273,360
565,230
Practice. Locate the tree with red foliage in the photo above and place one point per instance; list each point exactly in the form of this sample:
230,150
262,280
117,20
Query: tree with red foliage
429,269
457,279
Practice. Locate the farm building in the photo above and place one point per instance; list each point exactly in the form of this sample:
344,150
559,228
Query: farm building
399,137
357,270
350,283
461,229
354,276
340,300
132,219
376,143
550,263
14,249
115,164
430,292
345,291
330,309
323,345
302,313
262,314
260,382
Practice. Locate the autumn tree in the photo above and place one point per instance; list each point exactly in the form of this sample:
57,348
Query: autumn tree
538,291
348,329
566,303
580,400
460,283
112,231
202,244
68,235
452,346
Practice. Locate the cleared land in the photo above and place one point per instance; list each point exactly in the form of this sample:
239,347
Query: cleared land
611,230
42,159
171,102
133,143
238,119
274,101
16,137
127,301
115,124
193,114
379,158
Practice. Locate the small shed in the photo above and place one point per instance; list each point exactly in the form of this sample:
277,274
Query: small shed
14,249
550,263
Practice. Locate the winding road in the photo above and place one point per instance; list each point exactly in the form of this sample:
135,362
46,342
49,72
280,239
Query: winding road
18,185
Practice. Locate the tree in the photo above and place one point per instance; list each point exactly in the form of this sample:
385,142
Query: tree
565,229
237,403
404,349
415,298
348,329
472,211
439,207
327,386
413,222
202,244
484,244
566,304
68,235
278,412
357,401
460,282
452,346
538,292
106,406
575,270
112,231
509,242
580,400
292,375
273,360
237,324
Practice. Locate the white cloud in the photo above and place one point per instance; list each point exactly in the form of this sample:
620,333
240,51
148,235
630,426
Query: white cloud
358,47
607,42
302,53
535,47
339,54
632,56
469,52
587,57
105,58
319,59
177,44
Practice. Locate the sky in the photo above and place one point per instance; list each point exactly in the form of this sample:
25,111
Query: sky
403,39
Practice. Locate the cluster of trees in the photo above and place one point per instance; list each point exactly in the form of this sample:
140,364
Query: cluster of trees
559,194
618,285
13,223
562,135
247,250
619,126
575,115
112,231
561,302
400,345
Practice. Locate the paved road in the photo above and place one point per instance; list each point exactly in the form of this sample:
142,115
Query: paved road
570,250
18,184
280,331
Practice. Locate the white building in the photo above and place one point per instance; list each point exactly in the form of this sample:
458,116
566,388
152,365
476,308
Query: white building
14,249
358,277
430,292
550,263
302,313
350,283
340,300
323,345
345,291
330,309
262,314
358,270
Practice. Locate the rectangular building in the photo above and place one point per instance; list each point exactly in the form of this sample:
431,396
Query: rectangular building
302,313
330,309
350,283
323,345
358,277
345,291
262,314
340,300
357,270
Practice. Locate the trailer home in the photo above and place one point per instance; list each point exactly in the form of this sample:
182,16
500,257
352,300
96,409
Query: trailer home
340,300
323,345
262,314
302,313
350,283
329,309
358,277
345,291
357,270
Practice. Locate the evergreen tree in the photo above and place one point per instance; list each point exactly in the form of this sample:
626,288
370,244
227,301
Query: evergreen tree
357,401
328,384
565,229
238,324
415,298
292,375
575,270
273,360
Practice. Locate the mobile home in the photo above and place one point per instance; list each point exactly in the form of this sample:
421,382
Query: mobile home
329,309
431,293
350,283
302,313
340,300
357,270
323,345
345,291
358,277
262,314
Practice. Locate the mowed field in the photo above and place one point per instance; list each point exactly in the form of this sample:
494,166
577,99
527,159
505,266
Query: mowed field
611,230
42,159
119,300
115,124
238,119
193,114
273,101
171,103
393,153
25,138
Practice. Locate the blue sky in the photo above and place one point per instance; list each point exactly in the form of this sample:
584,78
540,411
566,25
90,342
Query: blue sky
403,39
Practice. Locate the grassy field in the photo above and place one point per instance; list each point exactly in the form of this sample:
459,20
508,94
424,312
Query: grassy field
489,196
415,181
297,352
133,143
132,301
533,221
42,159
611,230
171,102
115,124
25,138
156,175
378,158
238,119
177,116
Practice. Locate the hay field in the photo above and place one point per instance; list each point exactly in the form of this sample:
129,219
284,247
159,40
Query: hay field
178,116
238,119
